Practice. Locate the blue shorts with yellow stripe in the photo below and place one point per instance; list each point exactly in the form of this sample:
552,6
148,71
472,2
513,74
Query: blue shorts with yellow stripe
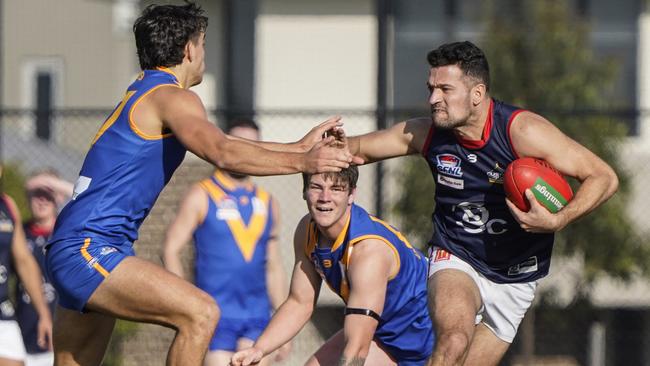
76,267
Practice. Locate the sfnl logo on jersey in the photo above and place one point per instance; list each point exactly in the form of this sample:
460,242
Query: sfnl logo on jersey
449,164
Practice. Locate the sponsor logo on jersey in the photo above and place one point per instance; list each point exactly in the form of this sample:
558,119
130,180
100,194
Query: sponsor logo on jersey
527,266
80,186
451,182
327,263
441,255
495,176
259,207
7,308
107,250
227,209
472,158
6,226
449,164
474,218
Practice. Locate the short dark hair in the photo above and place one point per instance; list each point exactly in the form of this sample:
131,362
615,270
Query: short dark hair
349,175
467,56
162,31
242,122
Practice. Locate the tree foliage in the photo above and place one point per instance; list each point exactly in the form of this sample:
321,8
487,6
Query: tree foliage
541,60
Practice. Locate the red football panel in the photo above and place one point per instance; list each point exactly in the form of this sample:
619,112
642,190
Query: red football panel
522,173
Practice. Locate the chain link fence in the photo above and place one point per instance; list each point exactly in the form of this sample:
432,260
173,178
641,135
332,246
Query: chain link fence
610,326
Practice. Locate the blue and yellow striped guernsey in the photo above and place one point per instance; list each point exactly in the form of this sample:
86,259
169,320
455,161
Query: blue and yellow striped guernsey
405,328
123,173
231,248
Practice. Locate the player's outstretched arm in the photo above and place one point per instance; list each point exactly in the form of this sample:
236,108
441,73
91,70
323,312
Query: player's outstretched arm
314,136
534,136
31,277
371,265
404,138
296,310
183,113
190,215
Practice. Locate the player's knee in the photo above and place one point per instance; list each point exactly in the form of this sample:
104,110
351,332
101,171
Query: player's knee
453,344
204,315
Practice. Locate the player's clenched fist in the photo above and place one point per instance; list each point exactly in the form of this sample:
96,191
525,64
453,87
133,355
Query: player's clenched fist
248,356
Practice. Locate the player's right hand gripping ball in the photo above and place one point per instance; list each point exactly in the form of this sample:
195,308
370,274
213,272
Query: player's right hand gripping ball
549,186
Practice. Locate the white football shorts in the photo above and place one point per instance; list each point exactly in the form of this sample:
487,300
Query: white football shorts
504,304
11,341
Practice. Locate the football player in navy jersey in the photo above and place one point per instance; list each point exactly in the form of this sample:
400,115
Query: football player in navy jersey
90,258
15,259
486,255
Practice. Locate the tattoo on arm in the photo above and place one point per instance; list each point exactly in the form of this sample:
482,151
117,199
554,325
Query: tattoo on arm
355,361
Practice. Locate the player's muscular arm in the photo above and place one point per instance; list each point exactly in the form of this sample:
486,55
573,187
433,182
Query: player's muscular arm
534,136
404,138
296,310
182,112
314,136
371,265
190,215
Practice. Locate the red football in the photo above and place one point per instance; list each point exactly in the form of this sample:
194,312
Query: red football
548,184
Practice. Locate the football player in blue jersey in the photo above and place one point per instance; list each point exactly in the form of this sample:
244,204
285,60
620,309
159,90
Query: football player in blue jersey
235,225
90,258
487,255
370,265
15,259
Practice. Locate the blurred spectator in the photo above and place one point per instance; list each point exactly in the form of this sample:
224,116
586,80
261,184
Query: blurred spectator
46,194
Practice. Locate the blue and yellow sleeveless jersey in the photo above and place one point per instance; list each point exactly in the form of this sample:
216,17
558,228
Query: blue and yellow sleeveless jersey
231,248
405,328
471,218
8,221
123,173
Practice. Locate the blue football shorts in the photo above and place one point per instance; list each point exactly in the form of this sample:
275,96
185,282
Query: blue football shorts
230,330
76,267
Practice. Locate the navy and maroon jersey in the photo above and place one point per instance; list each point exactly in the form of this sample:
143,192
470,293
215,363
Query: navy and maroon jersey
26,314
8,222
471,219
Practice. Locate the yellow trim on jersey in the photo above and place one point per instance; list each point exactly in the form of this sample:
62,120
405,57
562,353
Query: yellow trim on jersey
339,239
98,267
310,243
169,71
132,124
113,117
380,238
397,233
246,236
